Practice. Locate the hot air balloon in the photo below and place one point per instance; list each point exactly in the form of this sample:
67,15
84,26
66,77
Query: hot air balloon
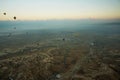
26,33
14,27
4,13
63,39
14,17
9,34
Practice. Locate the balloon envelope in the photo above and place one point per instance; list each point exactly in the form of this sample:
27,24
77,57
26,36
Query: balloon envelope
14,18
4,13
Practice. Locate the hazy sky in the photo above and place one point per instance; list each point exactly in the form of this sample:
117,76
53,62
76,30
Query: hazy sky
59,9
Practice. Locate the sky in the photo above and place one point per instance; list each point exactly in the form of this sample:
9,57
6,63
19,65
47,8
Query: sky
59,9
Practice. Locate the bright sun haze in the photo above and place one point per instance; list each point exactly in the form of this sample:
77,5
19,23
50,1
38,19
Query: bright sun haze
59,9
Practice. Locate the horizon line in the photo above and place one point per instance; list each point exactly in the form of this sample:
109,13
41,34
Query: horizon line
66,19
